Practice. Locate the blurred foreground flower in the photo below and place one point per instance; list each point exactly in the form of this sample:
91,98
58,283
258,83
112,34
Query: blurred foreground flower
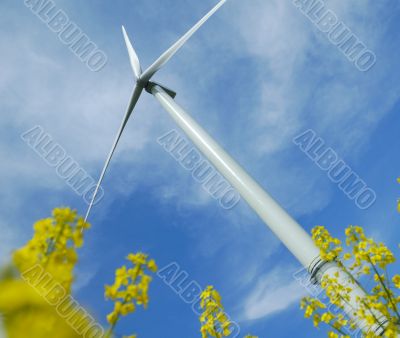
47,260
54,246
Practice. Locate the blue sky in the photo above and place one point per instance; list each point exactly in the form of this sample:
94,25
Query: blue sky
258,74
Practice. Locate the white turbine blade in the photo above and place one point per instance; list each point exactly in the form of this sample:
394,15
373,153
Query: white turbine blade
135,97
164,58
134,59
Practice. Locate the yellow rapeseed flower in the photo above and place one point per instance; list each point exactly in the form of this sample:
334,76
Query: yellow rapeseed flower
53,250
366,257
130,288
214,321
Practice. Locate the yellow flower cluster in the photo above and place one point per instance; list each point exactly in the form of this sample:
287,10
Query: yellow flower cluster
365,250
335,335
396,281
214,321
130,288
320,314
338,293
311,307
54,245
329,247
367,257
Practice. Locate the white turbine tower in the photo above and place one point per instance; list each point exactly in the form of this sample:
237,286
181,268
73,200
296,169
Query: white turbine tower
292,235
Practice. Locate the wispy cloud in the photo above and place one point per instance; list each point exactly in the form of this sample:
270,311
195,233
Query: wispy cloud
274,292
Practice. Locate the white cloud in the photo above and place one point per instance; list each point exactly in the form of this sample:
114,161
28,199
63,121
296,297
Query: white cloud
84,276
273,293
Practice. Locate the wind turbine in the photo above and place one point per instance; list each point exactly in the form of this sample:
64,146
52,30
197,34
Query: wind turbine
292,235
143,82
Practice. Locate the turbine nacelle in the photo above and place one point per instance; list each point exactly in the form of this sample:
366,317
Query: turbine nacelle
151,84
